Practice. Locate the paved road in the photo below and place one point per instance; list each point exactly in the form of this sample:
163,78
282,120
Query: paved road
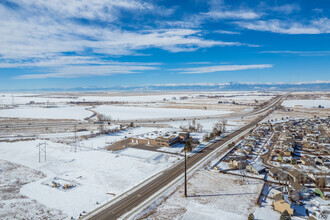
40,124
134,199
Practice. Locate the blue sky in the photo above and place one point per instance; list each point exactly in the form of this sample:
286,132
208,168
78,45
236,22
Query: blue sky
105,43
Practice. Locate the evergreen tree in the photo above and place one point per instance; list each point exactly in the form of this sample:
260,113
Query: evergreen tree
251,216
188,146
285,215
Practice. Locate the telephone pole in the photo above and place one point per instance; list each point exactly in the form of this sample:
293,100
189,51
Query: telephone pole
185,173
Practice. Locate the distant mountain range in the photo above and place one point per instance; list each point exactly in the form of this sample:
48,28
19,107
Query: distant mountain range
232,86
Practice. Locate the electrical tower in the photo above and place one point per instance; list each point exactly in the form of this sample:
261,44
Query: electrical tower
75,146
42,150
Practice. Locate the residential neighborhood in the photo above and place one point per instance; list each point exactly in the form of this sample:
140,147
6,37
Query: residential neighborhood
292,157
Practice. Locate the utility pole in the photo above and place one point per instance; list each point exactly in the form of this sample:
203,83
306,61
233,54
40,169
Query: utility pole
75,138
185,173
187,147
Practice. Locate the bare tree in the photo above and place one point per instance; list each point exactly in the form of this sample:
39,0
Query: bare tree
103,117
193,123
224,124
101,129
199,127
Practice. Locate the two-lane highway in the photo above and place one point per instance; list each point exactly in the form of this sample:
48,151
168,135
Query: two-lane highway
132,200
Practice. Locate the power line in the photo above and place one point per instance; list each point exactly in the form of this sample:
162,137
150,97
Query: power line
76,140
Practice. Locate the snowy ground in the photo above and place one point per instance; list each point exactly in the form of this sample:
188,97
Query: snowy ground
211,196
307,103
131,113
14,205
207,124
97,172
21,99
248,97
63,112
24,98
99,142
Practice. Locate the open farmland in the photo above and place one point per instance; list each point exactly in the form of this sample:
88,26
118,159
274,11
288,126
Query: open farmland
89,147
132,113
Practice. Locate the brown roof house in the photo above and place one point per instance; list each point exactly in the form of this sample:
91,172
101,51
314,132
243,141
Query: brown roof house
240,164
306,161
277,174
295,175
303,191
281,206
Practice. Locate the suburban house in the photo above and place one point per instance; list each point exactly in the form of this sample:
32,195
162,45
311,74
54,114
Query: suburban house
304,192
306,161
295,175
281,206
255,168
277,174
320,160
240,164
277,195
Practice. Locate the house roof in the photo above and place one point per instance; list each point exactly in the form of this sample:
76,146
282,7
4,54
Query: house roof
278,197
274,170
294,173
297,186
257,166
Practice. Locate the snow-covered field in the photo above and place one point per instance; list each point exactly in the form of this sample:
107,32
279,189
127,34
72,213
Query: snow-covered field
14,205
131,98
63,112
15,98
207,124
131,113
108,139
307,103
24,98
211,195
248,97
97,172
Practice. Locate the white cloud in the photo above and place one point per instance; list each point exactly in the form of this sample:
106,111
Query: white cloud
235,14
300,53
61,60
105,10
286,9
88,71
196,63
226,32
211,69
39,29
319,26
